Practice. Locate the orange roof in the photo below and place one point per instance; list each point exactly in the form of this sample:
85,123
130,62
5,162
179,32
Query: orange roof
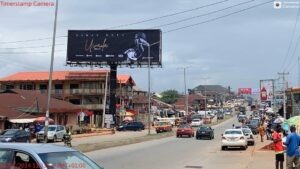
63,75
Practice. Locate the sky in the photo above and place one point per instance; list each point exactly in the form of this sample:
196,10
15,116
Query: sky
237,51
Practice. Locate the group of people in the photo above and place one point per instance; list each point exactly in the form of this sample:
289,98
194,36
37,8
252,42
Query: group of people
292,148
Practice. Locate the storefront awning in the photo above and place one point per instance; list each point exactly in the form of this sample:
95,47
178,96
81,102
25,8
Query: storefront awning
22,120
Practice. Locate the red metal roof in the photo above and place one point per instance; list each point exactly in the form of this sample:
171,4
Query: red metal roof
64,75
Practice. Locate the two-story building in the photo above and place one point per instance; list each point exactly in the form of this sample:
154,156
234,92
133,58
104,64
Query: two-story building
85,88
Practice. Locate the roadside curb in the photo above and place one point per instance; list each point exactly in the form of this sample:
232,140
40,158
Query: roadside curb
93,134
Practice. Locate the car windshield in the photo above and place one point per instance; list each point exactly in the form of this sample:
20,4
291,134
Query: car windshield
184,126
50,128
233,132
247,131
196,120
204,128
254,122
67,160
9,132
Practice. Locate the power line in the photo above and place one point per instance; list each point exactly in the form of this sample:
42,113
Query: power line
125,25
293,54
291,41
32,47
198,16
217,18
168,15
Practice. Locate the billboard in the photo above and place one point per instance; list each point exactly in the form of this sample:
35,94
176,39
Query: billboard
121,47
245,91
266,90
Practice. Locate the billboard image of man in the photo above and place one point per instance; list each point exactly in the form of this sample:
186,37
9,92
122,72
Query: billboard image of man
136,52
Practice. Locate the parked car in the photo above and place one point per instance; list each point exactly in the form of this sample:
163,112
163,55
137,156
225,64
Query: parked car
55,133
253,125
234,138
133,126
241,127
46,156
15,135
205,131
163,126
196,123
185,130
249,135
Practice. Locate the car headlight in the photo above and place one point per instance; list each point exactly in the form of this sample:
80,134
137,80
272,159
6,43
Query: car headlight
8,139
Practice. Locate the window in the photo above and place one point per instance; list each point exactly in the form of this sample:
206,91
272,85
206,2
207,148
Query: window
58,86
74,86
22,161
43,87
5,157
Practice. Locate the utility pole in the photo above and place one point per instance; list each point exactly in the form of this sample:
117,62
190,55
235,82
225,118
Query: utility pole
284,91
185,92
50,74
298,71
104,100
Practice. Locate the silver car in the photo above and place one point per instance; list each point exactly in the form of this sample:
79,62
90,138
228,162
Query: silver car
249,135
55,133
42,156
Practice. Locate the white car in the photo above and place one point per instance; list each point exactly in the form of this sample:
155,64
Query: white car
55,132
249,135
234,138
196,123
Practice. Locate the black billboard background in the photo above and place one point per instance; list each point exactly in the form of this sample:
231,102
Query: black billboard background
114,46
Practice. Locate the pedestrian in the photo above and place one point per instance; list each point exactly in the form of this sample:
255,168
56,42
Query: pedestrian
292,152
278,148
261,131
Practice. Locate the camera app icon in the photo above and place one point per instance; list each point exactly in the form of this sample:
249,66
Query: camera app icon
277,4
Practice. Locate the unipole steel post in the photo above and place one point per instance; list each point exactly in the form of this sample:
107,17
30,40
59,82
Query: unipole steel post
104,100
149,93
50,75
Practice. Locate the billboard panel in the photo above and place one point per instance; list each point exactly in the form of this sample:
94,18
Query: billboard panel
266,90
245,91
114,46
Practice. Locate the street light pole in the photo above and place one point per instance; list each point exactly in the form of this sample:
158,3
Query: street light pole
50,74
185,93
149,95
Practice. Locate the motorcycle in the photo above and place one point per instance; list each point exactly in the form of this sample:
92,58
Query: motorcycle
67,140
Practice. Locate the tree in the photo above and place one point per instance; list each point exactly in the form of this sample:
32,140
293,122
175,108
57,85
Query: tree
170,96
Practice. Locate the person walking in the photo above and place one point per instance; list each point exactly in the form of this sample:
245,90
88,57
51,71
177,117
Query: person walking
278,148
292,152
261,131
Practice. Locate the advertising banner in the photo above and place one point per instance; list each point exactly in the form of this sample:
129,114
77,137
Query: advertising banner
114,46
266,90
245,91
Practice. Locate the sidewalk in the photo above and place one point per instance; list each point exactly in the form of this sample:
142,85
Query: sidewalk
262,158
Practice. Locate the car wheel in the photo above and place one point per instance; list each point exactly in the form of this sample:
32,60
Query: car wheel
38,141
210,137
244,148
223,148
197,138
177,136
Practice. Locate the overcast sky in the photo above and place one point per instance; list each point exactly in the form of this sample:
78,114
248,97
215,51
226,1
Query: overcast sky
237,51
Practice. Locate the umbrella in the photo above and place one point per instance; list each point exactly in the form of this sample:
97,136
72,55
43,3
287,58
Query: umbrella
42,120
279,120
293,121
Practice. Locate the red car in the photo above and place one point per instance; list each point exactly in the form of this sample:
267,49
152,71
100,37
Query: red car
185,130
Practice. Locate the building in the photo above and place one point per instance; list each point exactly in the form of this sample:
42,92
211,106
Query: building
84,88
216,94
23,106
293,102
196,102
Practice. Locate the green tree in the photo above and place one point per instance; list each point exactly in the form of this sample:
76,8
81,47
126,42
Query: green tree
170,96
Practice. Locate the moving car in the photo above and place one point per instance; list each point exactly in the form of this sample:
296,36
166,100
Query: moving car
242,118
133,126
205,131
249,135
220,116
55,133
15,135
163,126
253,125
185,130
43,156
196,123
234,138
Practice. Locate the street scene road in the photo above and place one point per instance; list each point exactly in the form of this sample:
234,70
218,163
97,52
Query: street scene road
176,153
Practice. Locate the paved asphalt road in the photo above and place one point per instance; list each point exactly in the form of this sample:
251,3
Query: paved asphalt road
175,153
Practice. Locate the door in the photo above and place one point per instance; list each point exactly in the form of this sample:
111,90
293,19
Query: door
6,157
